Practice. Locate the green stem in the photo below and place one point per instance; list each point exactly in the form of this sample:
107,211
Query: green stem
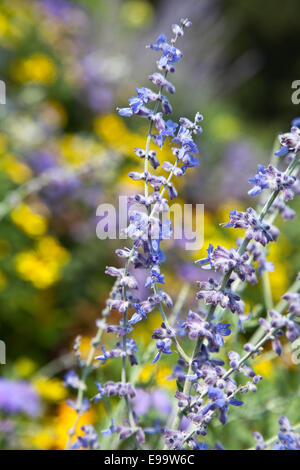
267,290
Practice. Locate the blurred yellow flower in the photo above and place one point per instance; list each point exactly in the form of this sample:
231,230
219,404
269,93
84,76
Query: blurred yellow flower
31,223
279,279
44,440
137,14
18,171
37,68
66,419
50,389
3,143
4,25
85,347
143,331
264,368
226,126
42,266
146,373
24,366
162,374
113,130
77,150
159,373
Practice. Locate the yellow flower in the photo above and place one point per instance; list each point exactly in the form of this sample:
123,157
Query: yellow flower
146,373
77,150
279,279
50,389
66,419
265,368
226,126
16,170
4,25
3,143
137,13
85,347
162,374
42,266
44,440
159,373
142,331
113,131
50,249
37,68
31,223
24,366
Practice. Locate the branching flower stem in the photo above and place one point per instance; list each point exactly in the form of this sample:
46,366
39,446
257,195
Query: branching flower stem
85,372
266,337
188,384
273,439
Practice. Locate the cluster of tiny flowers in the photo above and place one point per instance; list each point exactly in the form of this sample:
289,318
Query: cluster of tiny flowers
271,178
290,141
18,397
216,382
255,229
146,229
225,260
212,294
287,438
206,388
210,378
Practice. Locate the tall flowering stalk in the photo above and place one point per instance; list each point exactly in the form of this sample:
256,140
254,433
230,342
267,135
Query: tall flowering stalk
235,264
147,231
205,387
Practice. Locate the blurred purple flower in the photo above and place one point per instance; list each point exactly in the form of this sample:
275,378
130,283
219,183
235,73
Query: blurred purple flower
145,400
42,160
18,397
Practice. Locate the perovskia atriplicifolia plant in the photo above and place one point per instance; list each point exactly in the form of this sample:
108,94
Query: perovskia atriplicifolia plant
206,387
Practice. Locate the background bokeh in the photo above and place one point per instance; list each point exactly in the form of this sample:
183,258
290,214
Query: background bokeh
64,150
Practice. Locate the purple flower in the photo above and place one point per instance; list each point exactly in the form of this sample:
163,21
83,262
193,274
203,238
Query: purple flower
111,430
164,347
71,379
256,251
138,315
271,178
18,397
154,277
118,351
288,439
207,260
119,388
158,79
100,391
229,260
157,399
89,440
212,294
255,229
219,402
290,142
